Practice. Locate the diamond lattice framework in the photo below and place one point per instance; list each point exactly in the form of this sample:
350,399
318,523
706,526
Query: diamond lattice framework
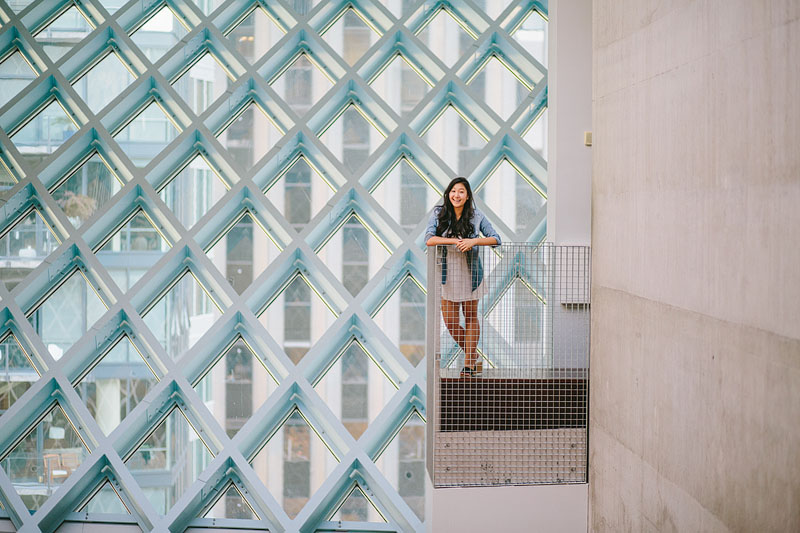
212,269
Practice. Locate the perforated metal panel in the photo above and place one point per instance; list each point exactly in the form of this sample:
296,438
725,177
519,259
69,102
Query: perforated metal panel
211,252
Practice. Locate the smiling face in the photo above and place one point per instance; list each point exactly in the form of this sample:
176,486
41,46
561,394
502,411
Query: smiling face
458,196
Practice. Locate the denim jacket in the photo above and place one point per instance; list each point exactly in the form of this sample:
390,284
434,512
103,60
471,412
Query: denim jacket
480,224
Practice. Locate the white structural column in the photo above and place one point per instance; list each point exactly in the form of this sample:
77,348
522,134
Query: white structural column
569,115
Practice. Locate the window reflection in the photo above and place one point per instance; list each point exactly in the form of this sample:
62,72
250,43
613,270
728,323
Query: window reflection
16,372
24,247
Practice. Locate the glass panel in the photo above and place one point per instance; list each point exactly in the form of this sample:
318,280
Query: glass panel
416,196
300,193
132,250
353,254
48,130
494,7
357,508
67,314
250,136
235,387
44,459
294,463
402,319
182,316
351,138
15,75
532,35
455,141
290,316
193,191
243,253
256,34
400,86
302,84
16,372
498,88
302,7
146,135
355,389
505,181
403,464
169,461
18,5
207,6
91,185
104,82
24,247
231,505
160,33
116,385
105,501
536,136
201,85
58,37
350,36
112,5
401,8
445,38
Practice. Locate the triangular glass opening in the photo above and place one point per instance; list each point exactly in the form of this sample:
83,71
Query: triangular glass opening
415,195
440,34
24,247
525,346
249,136
90,186
182,315
357,507
203,83
402,319
350,36
58,37
495,79
400,86
231,504
160,33
112,5
235,387
300,193
116,384
132,250
402,463
536,136
19,5
532,35
15,74
256,34
511,197
45,457
104,501
17,374
243,252
351,138
147,135
353,254
496,7
169,460
288,317
455,140
355,388
207,6
68,313
294,463
192,191
302,84
42,136
104,82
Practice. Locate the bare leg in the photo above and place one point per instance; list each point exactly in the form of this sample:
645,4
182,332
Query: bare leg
451,320
473,333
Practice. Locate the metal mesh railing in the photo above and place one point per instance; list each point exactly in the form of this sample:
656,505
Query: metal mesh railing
508,367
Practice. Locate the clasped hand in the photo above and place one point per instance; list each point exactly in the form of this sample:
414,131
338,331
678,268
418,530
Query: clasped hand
465,244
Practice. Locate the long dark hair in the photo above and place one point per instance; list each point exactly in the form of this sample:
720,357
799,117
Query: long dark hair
461,227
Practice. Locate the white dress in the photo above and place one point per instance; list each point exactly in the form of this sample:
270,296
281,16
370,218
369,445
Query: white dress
458,285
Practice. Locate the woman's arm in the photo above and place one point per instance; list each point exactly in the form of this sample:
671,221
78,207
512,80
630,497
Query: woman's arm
433,241
466,244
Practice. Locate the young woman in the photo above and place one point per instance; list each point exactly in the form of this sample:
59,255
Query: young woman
457,223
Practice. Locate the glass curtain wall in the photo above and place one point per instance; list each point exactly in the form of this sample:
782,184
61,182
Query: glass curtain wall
239,190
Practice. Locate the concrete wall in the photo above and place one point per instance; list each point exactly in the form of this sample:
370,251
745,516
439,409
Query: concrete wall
695,397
